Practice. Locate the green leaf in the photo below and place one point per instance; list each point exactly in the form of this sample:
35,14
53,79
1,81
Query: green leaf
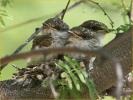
74,66
2,21
69,81
73,77
92,90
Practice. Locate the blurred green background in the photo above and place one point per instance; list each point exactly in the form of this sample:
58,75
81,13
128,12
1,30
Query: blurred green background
23,10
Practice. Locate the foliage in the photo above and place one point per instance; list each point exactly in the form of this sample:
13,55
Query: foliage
3,14
74,77
3,11
5,3
123,28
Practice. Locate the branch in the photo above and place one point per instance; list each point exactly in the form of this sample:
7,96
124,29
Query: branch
48,51
131,14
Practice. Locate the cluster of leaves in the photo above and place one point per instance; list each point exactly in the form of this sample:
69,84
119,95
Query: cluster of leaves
75,78
126,26
123,28
3,11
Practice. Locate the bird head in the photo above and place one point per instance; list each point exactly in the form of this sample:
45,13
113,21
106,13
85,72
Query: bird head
95,26
55,24
99,28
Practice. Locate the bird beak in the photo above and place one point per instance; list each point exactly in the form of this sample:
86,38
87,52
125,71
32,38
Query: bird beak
70,31
103,32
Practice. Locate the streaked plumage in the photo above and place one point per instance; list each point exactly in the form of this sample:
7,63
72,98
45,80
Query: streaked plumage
89,36
54,35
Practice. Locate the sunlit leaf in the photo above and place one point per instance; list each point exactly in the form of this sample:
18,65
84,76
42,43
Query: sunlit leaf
92,89
75,66
71,74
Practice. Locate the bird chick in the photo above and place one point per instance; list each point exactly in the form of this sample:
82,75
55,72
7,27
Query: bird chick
98,27
87,36
58,31
82,38
54,34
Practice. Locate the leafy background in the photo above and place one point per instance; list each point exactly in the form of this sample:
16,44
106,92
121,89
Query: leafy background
19,11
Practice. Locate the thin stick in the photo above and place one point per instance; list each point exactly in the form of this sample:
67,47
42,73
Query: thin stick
24,44
131,11
24,23
131,19
64,11
128,11
111,22
124,6
14,66
39,52
119,74
28,40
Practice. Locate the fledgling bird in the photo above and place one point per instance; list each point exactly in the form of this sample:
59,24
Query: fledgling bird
54,34
87,36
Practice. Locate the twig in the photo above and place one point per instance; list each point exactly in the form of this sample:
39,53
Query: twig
111,22
23,23
128,11
119,74
124,6
39,52
64,11
71,7
131,11
131,18
125,13
14,66
38,30
55,93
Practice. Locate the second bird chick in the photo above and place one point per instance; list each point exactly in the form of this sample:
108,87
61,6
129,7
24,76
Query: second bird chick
87,36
